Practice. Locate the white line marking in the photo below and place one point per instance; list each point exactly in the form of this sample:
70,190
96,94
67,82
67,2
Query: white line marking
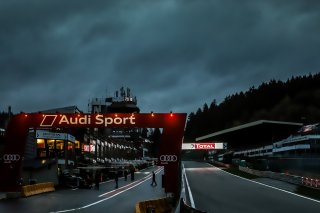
282,190
99,201
190,193
183,190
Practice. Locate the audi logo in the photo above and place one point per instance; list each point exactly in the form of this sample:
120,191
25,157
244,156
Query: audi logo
11,157
168,158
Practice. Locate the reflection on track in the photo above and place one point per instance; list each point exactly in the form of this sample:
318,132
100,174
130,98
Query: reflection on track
113,193
129,186
215,190
202,169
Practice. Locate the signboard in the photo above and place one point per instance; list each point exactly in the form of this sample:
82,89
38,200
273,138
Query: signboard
203,145
89,148
173,125
84,120
54,135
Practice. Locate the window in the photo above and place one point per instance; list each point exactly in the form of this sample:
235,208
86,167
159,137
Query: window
41,148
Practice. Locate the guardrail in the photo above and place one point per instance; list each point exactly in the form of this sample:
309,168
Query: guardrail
38,188
162,205
298,180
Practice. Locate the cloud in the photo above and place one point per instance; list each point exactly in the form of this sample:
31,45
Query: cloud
173,54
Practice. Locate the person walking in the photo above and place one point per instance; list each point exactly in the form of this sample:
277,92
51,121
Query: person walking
88,181
132,174
97,180
154,182
125,174
116,178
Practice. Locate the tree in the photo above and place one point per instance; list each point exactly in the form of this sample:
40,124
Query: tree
275,100
205,108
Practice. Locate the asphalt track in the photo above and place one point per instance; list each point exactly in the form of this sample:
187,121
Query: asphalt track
217,191
107,199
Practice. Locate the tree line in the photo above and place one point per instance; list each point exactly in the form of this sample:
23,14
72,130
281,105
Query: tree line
295,100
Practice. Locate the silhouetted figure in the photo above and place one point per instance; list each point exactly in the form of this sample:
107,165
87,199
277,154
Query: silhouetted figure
153,179
116,178
88,181
132,174
97,180
125,174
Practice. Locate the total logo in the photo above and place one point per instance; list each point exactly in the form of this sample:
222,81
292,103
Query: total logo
50,120
204,146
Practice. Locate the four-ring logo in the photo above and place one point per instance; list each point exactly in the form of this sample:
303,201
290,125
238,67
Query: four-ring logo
11,157
168,158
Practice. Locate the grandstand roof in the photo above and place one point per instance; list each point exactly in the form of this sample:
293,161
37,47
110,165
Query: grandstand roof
253,134
68,109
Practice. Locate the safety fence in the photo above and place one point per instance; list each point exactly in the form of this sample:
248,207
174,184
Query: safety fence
38,188
298,180
162,205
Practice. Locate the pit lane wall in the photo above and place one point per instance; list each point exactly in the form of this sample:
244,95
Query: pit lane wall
298,180
159,205
38,188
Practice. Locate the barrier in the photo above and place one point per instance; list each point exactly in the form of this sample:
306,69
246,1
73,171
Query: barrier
315,183
220,164
184,208
38,188
162,205
294,179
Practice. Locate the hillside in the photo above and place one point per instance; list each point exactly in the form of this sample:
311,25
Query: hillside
296,100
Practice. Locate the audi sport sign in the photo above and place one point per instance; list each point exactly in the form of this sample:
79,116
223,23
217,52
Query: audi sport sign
86,119
204,145
169,150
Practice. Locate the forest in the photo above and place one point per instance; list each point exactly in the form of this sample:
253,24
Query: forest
295,100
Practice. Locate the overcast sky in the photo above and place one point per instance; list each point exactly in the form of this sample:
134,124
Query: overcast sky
173,54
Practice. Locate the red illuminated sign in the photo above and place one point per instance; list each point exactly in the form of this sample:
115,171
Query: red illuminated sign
170,146
89,148
204,145
86,119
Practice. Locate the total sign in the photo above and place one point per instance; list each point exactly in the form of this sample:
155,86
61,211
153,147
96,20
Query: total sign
204,145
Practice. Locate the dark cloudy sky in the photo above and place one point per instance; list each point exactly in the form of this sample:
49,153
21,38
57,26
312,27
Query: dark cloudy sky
173,54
